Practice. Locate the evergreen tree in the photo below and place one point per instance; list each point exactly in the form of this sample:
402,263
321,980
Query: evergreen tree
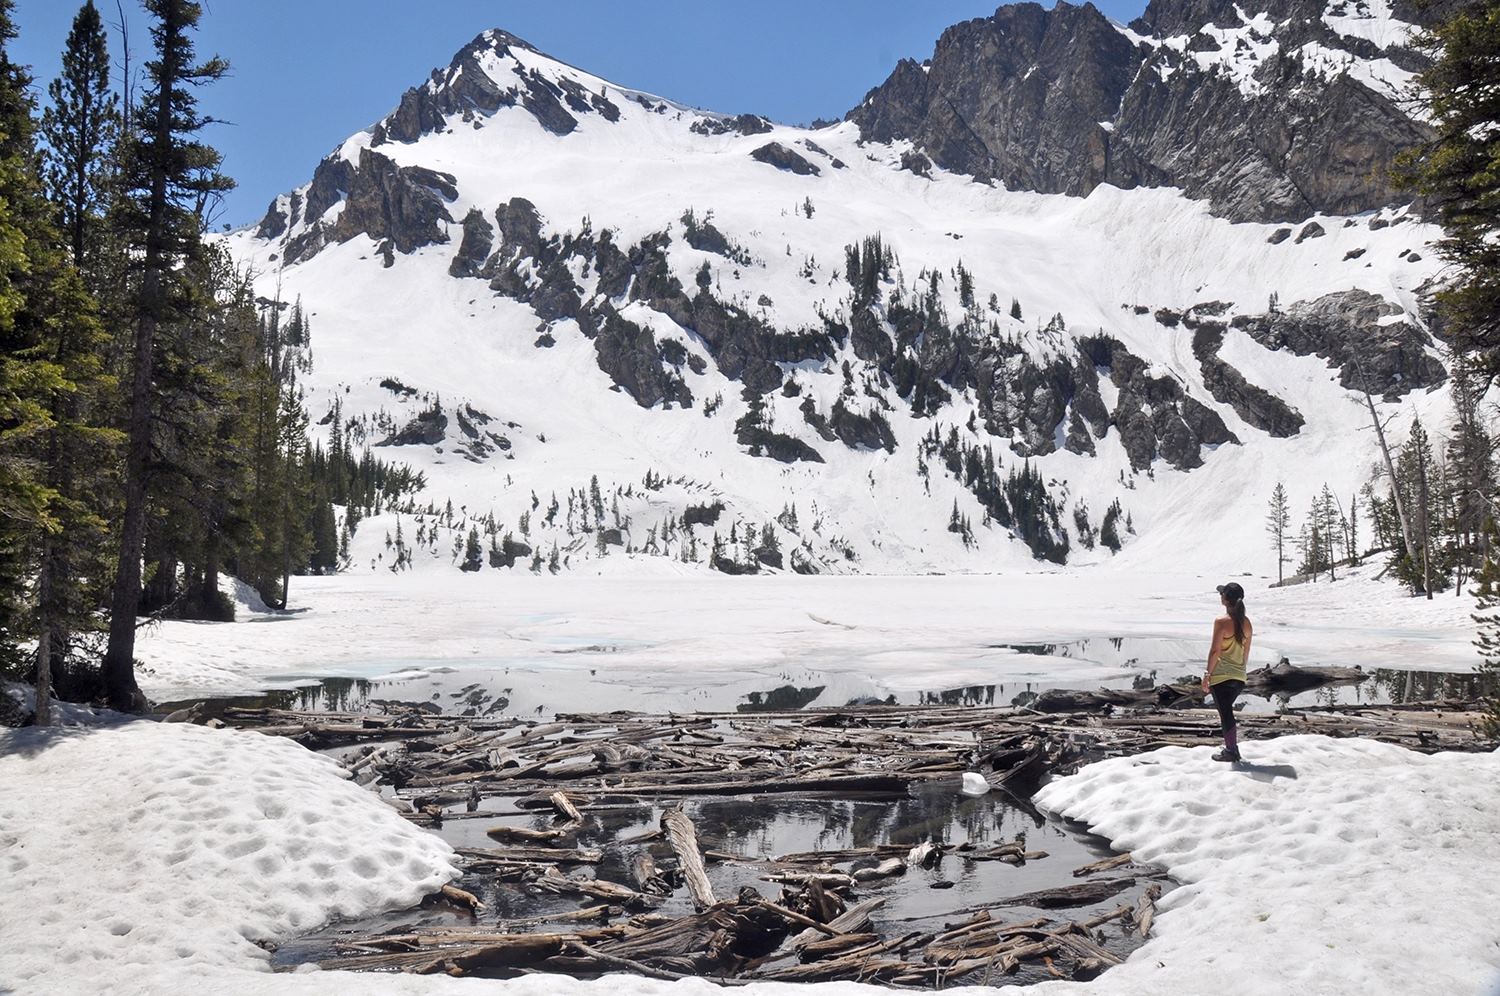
1330,526
1456,173
1278,521
1471,461
1311,542
52,452
169,178
80,128
473,552
1487,619
1414,476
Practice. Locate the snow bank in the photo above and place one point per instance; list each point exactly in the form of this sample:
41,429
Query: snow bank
63,713
147,850
1320,866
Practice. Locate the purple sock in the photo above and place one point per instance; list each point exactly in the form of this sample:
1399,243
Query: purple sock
1232,740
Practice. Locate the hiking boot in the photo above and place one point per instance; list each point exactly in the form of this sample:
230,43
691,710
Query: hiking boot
1226,754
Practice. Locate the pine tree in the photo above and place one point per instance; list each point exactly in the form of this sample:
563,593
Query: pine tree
1353,521
473,553
1414,469
1330,527
1278,521
169,177
1015,308
52,453
1311,542
1471,458
79,129
1456,174
1487,619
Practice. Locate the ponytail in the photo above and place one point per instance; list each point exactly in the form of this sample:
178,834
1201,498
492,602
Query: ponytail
1237,613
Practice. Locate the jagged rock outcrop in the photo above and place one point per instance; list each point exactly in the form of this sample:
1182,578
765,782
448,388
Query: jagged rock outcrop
783,158
509,552
467,89
741,124
631,356
1253,113
475,248
861,430
406,206
1257,406
1154,415
1353,330
427,428
476,441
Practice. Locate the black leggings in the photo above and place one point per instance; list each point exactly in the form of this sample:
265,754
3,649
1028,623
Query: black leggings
1224,693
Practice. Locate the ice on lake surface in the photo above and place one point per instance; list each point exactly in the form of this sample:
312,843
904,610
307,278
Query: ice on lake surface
589,680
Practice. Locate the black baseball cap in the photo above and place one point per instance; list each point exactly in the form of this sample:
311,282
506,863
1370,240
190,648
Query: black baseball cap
1232,591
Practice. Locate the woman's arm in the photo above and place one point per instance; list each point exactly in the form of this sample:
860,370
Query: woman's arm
1249,635
1213,651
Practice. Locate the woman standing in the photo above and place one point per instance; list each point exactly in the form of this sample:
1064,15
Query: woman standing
1225,678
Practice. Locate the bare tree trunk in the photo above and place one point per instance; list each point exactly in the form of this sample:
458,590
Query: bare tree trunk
43,713
119,659
127,90
286,530
1390,466
1422,501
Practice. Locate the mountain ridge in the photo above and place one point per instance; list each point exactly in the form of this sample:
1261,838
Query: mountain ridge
724,319
1061,100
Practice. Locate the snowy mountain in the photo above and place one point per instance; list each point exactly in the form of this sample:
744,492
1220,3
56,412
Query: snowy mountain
1067,287
1270,110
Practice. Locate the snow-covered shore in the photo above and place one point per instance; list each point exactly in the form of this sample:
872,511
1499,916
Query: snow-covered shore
136,854
912,631
150,858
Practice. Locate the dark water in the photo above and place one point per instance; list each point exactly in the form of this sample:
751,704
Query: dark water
921,900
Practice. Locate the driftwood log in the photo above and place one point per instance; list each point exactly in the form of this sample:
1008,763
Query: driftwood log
826,920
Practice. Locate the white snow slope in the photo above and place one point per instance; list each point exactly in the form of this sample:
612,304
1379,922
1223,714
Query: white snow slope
148,851
150,858
1092,260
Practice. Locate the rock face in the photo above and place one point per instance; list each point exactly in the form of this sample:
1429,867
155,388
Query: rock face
1154,415
478,240
427,428
406,206
1250,106
1356,333
1255,405
778,155
467,89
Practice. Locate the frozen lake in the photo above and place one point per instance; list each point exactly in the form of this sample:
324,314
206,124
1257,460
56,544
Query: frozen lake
713,642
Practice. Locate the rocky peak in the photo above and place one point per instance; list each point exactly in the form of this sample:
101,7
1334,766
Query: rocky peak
1269,109
497,70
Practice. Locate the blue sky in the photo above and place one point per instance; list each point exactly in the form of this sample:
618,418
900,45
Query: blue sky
308,73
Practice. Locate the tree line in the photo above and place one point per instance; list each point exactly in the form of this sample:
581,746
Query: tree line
1455,174
153,429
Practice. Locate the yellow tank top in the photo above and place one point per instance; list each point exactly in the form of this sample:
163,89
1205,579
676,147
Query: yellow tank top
1231,666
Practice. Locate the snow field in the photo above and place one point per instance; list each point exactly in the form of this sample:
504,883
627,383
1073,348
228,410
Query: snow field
905,632
1319,866
152,849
